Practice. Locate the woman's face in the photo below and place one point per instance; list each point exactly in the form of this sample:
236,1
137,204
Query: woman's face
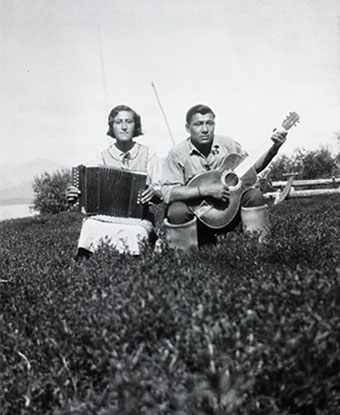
123,126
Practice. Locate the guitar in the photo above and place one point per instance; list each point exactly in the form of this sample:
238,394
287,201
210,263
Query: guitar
238,175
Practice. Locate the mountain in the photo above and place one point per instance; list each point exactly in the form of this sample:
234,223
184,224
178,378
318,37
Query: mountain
19,194
16,179
13,174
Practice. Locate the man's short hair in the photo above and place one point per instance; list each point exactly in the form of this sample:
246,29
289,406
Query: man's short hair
201,109
136,118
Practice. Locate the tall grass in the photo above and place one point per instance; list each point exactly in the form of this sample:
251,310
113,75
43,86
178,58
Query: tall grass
236,328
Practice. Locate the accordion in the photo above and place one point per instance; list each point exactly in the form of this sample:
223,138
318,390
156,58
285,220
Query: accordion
109,191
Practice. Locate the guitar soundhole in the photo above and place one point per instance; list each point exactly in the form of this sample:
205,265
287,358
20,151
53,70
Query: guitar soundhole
230,179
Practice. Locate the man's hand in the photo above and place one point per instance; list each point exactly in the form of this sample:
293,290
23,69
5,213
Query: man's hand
147,195
72,194
279,137
217,191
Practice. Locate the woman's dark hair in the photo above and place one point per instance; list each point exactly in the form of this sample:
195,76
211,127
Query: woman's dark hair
136,117
200,109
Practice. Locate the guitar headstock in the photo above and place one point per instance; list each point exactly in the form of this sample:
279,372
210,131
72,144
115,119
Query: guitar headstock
292,119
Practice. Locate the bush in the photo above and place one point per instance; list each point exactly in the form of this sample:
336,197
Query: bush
49,192
238,329
317,164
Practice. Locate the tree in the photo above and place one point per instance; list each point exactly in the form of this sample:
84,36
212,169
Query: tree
318,164
280,166
50,192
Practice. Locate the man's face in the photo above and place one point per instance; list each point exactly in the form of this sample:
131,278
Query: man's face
201,129
123,126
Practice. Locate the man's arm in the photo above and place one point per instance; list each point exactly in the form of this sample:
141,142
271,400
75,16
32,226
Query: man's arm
187,193
279,138
174,186
174,182
184,193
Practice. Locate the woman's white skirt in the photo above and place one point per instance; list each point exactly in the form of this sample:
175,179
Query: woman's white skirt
126,235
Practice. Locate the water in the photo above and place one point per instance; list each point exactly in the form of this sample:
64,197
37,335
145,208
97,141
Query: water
15,211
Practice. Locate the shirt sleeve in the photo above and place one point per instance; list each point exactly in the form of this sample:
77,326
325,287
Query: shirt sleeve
154,170
172,175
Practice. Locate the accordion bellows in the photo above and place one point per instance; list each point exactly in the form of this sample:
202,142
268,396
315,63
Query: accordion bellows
109,191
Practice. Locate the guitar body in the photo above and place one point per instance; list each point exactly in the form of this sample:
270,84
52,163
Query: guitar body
214,213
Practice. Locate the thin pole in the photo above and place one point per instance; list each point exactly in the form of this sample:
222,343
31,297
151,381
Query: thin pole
101,60
162,110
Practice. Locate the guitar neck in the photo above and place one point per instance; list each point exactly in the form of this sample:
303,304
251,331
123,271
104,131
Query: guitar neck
249,161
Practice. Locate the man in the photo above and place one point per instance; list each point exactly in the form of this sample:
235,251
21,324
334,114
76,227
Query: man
201,152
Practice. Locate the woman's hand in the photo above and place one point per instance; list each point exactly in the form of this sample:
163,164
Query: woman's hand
148,195
72,194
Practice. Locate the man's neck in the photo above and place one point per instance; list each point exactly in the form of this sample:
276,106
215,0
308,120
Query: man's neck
204,149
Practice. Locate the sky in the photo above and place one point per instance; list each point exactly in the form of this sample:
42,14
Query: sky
66,64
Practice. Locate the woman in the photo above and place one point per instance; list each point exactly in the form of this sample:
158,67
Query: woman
124,153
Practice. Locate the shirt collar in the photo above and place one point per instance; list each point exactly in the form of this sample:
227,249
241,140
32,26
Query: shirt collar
118,155
194,149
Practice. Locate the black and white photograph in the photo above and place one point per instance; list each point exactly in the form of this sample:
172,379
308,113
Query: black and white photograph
170,207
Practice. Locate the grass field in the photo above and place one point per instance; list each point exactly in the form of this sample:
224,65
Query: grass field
236,328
